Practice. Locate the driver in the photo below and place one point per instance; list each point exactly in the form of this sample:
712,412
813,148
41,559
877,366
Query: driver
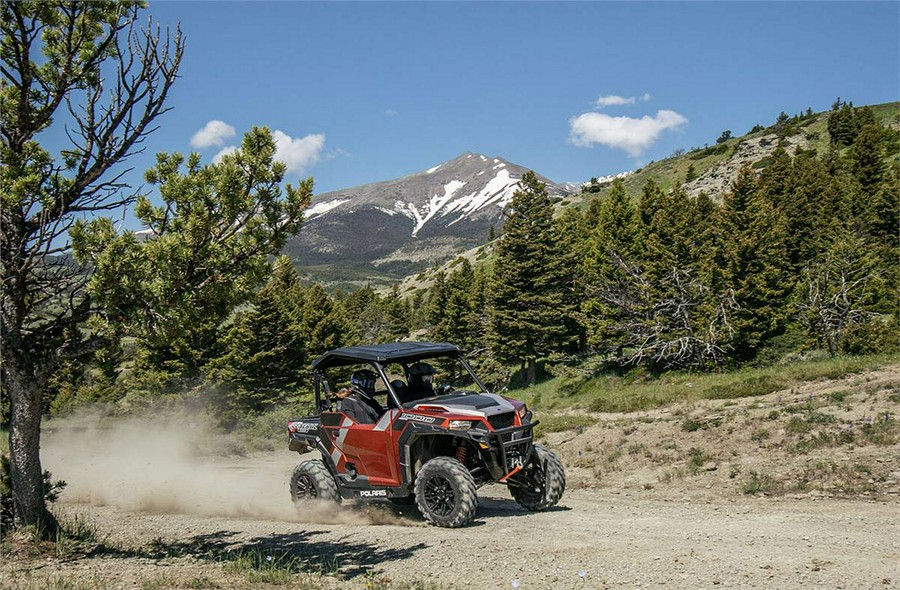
419,382
357,401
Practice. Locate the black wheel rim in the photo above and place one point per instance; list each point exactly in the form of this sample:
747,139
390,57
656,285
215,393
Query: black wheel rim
534,481
305,487
439,496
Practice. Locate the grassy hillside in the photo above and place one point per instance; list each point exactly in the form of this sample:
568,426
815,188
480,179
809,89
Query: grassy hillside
725,159
811,133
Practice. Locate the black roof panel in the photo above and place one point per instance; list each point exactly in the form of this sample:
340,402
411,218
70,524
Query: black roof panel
391,352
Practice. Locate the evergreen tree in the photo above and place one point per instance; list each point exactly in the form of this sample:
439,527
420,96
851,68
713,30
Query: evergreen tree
434,309
691,173
866,159
752,258
324,323
458,317
526,298
571,252
396,317
842,125
612,243
264,359
365,315
61,64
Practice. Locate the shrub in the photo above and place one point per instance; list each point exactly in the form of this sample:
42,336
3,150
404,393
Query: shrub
759,483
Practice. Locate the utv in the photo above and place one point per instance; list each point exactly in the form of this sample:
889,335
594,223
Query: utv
410,442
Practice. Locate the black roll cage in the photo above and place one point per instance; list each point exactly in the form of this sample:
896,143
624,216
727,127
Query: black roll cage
322,386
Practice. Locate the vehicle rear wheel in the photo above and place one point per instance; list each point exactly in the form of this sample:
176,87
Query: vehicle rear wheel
445,493
541,483
311,480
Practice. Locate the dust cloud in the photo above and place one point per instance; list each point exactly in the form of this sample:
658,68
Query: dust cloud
181,465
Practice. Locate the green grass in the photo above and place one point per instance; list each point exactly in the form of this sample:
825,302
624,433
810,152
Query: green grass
562,422
624,394
272,567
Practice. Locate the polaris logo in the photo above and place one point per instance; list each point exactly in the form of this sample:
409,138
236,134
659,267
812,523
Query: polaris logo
417,418
373,493
302,426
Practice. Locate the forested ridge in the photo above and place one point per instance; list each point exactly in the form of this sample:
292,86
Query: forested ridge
797,258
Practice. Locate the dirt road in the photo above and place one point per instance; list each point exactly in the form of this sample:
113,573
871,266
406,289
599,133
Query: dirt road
652,503
618,540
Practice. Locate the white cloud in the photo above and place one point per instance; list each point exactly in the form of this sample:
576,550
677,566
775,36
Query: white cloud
611,100
228,149
298,153
614,100
625,133
213,133
390,113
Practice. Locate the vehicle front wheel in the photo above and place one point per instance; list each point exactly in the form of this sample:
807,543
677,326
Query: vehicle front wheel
445,493
541,483
311,480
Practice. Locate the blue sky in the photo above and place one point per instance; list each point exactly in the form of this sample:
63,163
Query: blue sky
370,91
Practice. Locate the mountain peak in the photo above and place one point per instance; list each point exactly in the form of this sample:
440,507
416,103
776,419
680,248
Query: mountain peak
437,212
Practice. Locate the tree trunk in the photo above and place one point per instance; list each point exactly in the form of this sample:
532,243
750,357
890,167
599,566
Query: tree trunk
532,370
26,474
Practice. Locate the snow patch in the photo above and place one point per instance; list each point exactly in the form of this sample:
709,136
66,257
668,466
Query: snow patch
324,207
498,190
430,170
609,178
422,215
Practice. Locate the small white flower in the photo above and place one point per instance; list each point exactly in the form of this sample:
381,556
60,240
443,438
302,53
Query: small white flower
582,573
268,558
516,583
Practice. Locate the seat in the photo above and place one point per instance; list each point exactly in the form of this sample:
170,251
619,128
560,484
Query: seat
361,409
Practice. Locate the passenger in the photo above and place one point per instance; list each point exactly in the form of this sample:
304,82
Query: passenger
357,401
399,388
419,382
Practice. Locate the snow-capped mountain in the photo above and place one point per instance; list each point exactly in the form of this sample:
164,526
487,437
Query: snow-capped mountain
393,228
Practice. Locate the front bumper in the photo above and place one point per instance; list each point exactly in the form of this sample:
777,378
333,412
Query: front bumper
508,449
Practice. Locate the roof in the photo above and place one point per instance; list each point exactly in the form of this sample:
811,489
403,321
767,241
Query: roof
391,352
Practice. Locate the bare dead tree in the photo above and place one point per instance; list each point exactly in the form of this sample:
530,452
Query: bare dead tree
672,322
93,69
837,293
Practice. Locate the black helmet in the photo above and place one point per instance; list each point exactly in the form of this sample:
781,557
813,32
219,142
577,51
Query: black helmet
364,381
420,372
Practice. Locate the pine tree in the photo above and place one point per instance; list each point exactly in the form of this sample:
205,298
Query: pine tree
613,241
867,164
842,125
324,323
691,173
434,309
526,298
365,315
752,257
396,317
452,312
571,251
264,354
